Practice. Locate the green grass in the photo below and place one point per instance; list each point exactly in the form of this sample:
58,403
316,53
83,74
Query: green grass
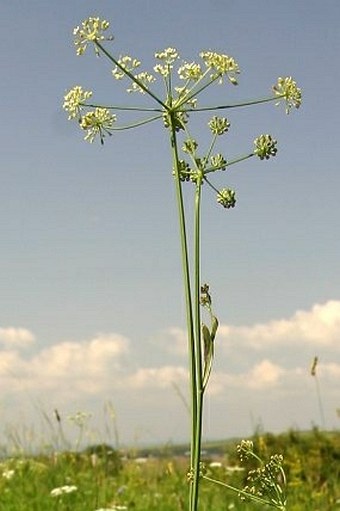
106,479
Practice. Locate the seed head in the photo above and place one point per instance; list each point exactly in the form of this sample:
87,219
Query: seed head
265,147
218,162
226,197
219,125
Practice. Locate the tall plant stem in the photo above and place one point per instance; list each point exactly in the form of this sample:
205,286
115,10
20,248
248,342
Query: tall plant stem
187,284
196,441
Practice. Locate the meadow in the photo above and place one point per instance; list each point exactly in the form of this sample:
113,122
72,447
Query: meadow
105,479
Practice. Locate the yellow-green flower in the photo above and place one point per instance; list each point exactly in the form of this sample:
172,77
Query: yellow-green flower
265,147
286,88
168,57
184,170
90,31
226,197
97,122
190,71
74,99
126,62
219,125
218,162
189,146
221,65
145,78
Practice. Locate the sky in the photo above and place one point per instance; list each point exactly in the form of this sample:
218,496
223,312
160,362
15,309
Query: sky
91,302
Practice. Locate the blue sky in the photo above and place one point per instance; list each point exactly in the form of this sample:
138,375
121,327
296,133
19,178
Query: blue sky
91,294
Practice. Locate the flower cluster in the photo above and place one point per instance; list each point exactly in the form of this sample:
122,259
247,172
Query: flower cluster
287,88
219,125
221,65
267,481
8,474
189,146
90,31
226,197
61,490
245,449
190,71
74,100
97,122
126,63
183,170
265,147
218,162
168,57
144,78
125,66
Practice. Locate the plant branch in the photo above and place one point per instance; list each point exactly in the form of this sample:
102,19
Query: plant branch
228,164
122,108
136,124
130,75
234,105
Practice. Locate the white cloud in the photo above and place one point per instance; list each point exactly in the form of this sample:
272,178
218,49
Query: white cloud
158,377
89,357
263,375
89,371
10,364
16,337
86,367
329,371
319,327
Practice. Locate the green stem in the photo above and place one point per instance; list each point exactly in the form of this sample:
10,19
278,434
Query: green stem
186,279
197,440
136,124
123,108
235,105
229,163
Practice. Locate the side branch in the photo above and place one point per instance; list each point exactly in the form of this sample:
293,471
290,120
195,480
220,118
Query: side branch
234,105
130,75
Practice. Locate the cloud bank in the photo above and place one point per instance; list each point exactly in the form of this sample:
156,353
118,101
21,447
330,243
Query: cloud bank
71,371
318,327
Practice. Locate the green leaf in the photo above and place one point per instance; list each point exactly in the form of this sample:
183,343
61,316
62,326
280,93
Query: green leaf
208,354
214,327
206,341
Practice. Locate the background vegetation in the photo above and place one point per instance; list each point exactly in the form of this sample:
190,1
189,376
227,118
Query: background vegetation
101,478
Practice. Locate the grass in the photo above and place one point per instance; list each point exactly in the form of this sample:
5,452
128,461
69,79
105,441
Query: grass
155,479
